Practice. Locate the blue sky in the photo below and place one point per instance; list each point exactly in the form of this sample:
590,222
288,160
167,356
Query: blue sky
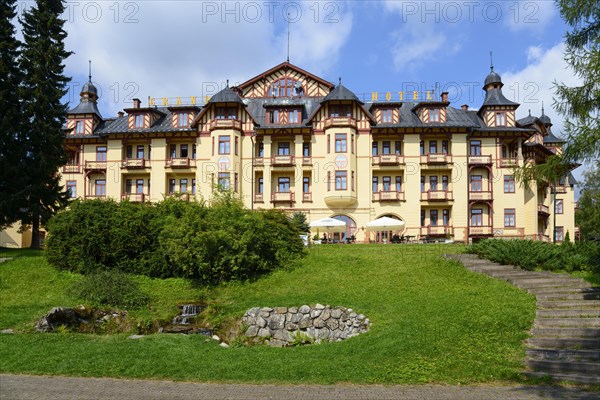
182,48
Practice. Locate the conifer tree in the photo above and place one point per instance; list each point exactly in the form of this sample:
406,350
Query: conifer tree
44,85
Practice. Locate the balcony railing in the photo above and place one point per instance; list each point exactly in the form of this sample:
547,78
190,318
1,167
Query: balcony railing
72,169
436,158
307,197
509,162
542,237
340,121
560,189
390,195
95,196
543,209
224,124
282,160
480,160
474,195
436,195
181,162
306,160
259,162
436,230
134,197
258,198
134,163
282,197
480,230
95,165
387,159
180,196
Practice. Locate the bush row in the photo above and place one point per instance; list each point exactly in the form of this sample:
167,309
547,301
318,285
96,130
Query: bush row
533,255
173,238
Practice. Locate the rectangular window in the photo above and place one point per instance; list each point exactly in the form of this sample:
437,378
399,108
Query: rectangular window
352,181
509,184
432,146
422,148
194,151
173,151
444,182
182,120
183,151
398,184
340,110
422,184
101,153
273,117
306,149
558,206
235,181
444,146
139,152
171,186
398,147
261,150
223,181
386,147
193,186
422,217
183,183
139,186
225,113
475,148
224,144
476,217
283,185
79,127
340,143
236,146
341,180
261,185
352,143
500,119
294,116
100,187
386,116
129,152
328,143
476,183
212,149
559,234
374,149
72,189
433,182
139,121
446,217
434,115
509,217
128,186
306,184
375,187
283,149
433,217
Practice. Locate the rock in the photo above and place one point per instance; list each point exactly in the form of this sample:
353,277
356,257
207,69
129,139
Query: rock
293,310
281,334
367,322
332,323
224,345
252,331
336,313
319,306
6,331
264,333
249,320
304,309
318,323
135,336
215,337
277,321
326,314
324,334
352,315
281,310
277,343
315,313
305,322
261,322
265,314
253,312
296,317
290,326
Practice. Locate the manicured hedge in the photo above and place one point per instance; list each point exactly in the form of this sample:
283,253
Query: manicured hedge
532,255
173,238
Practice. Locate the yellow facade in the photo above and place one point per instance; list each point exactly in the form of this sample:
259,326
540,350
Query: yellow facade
290,140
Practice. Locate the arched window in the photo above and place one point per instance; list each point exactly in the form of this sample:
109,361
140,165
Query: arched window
286,87
350,227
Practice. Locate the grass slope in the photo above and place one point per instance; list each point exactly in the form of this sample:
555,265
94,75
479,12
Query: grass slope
432,321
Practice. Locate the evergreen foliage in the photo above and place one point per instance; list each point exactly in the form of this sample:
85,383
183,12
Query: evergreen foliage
110,288
588,213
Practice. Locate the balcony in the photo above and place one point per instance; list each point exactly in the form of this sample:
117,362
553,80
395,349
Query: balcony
387,159
182,162
282,197
436,195
560,189
258,198
95,196
133,163
436,230
95,165
480,196
224,124
340,121
480,160
307,197
307,161
508,162
133,197
340,198
72,169
480,230
436,158
283,161
390,195
543,210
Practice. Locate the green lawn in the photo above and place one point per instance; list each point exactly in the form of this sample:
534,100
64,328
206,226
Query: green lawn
432,321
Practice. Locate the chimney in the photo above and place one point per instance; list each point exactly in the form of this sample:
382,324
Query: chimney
136,103
120,114
464,107
445,97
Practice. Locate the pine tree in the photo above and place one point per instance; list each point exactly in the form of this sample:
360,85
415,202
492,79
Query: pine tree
44,85
11,149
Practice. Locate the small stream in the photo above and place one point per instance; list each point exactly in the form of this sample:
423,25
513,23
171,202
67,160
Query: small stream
185,322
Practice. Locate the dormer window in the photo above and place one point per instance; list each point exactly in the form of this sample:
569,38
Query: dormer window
139,121
225,113
79,127
500,119
285,87
386,115
284,116
434,115
183,120
340,110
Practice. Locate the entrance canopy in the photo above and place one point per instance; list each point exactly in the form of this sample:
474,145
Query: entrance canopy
328,225
385,224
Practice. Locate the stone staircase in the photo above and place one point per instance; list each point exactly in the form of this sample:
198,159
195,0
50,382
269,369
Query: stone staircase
565,342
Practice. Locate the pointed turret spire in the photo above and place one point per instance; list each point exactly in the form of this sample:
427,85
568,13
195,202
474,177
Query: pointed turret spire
491,62
90,75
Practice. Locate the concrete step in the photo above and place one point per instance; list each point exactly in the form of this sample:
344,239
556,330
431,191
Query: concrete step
569,296
560,283
574,378
561,367
564,343
587,356
579,305
569,333
567,323
572,289
568,313
540,280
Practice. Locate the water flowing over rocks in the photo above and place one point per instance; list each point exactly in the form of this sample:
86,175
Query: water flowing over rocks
283,326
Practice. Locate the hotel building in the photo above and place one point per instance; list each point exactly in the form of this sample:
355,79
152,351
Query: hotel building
288,139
